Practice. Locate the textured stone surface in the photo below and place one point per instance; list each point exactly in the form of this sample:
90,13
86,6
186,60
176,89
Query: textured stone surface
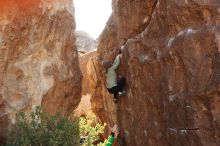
86,47
38,57
84,108
171,59
85,61
84,42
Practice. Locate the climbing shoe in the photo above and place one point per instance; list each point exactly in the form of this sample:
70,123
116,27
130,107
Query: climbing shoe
121,93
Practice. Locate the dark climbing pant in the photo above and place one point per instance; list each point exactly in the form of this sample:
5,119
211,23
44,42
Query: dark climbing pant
119,88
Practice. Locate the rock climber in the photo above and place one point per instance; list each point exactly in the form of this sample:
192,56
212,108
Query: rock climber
113,136
113,86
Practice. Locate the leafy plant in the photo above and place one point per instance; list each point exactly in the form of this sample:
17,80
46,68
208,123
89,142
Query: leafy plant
40,129
90,130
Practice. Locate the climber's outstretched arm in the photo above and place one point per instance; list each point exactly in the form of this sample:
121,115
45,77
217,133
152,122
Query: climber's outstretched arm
113,135
116,62
110,140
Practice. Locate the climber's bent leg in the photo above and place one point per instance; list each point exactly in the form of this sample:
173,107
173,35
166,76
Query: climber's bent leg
114,90
121,84
118,90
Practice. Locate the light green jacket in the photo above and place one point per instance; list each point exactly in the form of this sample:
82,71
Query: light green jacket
111,76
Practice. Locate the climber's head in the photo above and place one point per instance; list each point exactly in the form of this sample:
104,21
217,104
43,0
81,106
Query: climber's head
106,64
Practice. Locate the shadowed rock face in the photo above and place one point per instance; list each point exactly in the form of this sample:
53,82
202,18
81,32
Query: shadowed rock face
171,59
38,58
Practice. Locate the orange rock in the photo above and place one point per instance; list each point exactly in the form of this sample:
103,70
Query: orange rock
84,62
38,58
172,65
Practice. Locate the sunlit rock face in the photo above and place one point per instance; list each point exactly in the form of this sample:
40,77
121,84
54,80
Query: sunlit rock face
171,59
86,47
86,65
38,58
84,42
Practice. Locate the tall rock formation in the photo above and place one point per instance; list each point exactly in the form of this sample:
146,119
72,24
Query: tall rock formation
38,58
85,63
171,59
86,47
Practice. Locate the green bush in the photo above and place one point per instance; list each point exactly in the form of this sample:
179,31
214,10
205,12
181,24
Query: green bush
90,130
40,129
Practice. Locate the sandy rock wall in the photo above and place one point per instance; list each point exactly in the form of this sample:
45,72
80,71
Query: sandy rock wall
85,64
171,59
38,58
85,61
128,19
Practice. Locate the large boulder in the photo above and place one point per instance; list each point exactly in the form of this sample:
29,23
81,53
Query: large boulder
171,59
38,58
